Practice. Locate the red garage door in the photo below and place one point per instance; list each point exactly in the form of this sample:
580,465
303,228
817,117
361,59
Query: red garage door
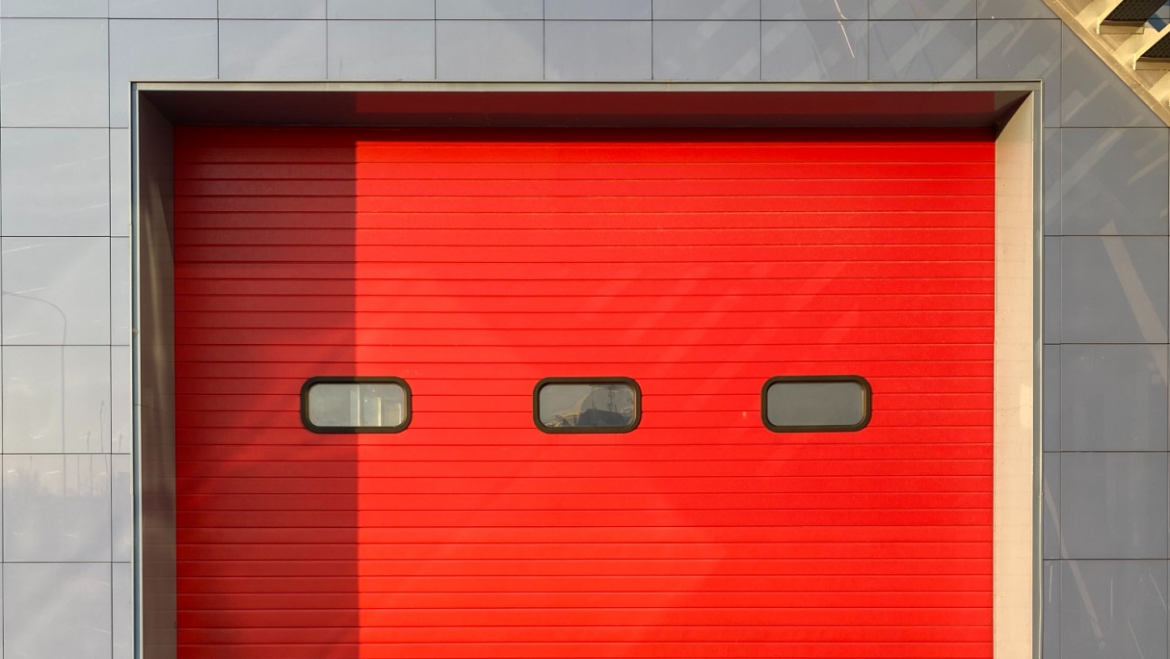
473,264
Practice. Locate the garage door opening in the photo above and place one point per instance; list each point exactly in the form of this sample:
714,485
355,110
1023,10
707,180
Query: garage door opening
475,263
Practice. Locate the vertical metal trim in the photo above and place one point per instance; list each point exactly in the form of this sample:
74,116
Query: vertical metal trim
1017,387
135,377
1037,370
136,173
151,180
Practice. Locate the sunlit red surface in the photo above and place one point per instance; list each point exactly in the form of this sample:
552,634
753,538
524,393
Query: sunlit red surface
473,264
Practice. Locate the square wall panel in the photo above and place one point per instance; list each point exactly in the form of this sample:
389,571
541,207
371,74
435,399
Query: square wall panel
706,50
815,51
1113,290
56,508
597,50
1112,609
1113,505
1114,181
381,50
56,181
57,610
56,399
57,291
1113,397
272,50
922,50
490,50
54,72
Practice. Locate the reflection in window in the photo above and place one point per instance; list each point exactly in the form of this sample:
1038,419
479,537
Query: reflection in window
817,404
580,405
330,405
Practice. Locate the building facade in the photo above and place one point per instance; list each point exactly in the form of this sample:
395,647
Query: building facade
65,268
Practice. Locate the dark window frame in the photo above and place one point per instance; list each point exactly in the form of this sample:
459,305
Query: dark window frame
814,379
572,430
407,403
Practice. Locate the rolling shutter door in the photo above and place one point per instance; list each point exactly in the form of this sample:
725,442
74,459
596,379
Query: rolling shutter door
473,263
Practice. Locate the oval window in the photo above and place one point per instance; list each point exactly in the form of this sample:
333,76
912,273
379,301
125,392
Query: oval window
817,404
587,405
345,405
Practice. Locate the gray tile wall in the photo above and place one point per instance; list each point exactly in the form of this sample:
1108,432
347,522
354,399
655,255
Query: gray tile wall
64,255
